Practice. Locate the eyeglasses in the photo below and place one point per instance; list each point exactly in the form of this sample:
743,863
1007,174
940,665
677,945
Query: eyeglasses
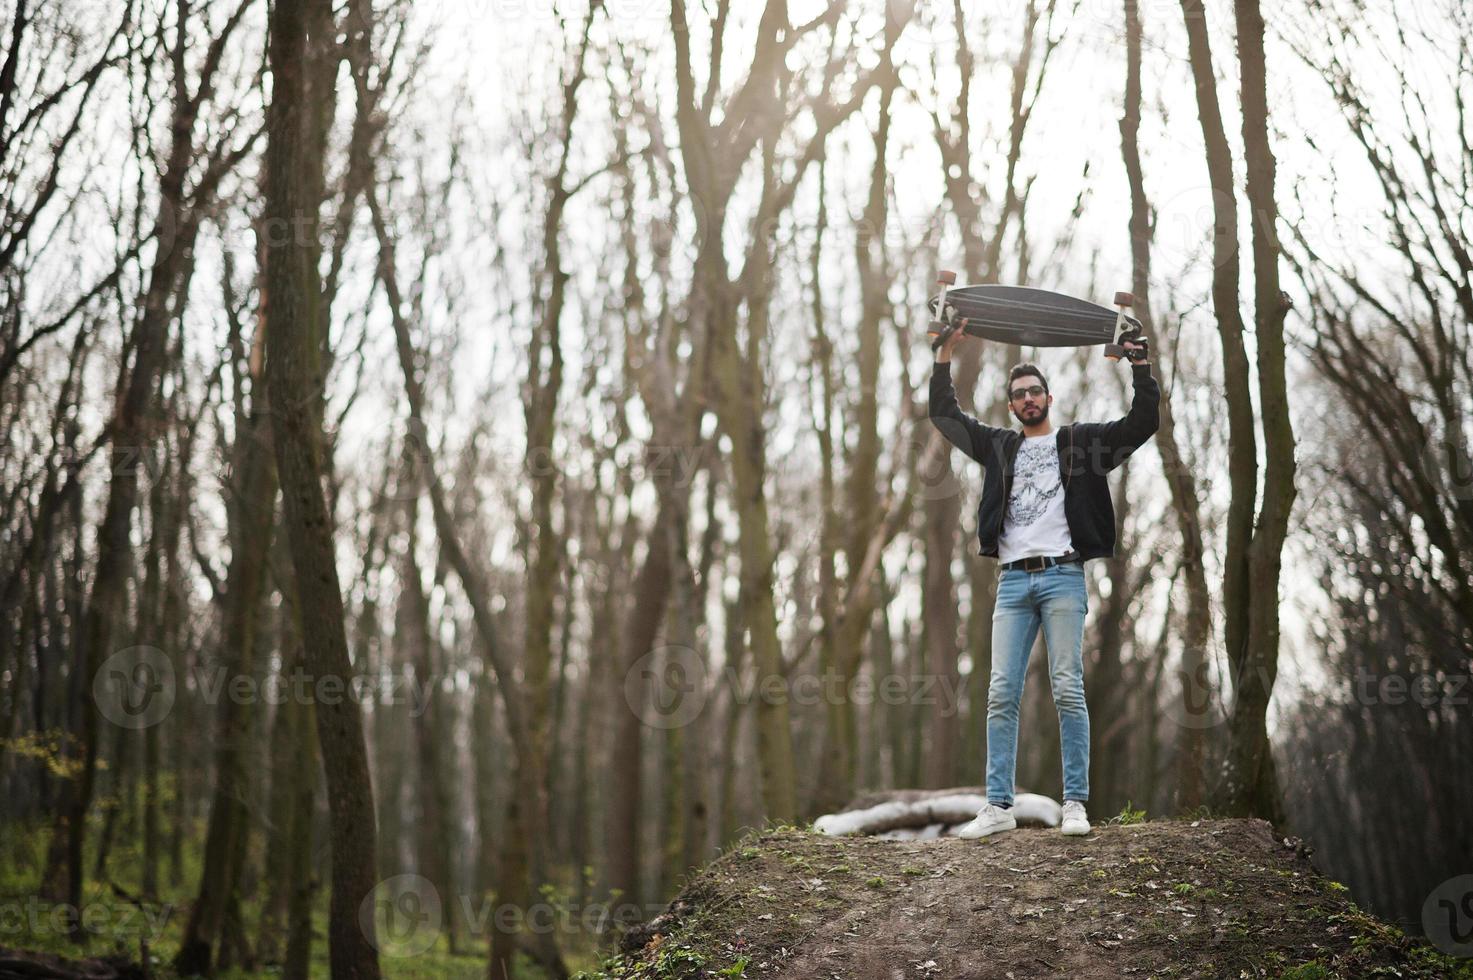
1037,391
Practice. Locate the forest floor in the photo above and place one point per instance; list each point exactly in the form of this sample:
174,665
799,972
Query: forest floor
1165,898
121,934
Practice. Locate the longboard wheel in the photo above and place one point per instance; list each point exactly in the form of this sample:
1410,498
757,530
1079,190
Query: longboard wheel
946,277
1125,299
1114,351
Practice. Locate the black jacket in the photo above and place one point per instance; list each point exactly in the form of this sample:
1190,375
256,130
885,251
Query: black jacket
1087,451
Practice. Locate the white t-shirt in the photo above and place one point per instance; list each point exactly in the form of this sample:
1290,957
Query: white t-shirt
1034,522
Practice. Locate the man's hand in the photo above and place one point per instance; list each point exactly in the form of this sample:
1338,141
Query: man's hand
943,353
1137,349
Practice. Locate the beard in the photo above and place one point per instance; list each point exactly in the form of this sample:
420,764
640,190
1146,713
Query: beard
1028,416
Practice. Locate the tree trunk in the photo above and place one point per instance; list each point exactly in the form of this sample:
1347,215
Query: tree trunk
1242,436
713,156
131,435
1249,785
294,335
1108,686
863,513
1192,714
437,833
226,836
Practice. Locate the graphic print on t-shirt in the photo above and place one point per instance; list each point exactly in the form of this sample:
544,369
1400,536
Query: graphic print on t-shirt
1035,481
1035,523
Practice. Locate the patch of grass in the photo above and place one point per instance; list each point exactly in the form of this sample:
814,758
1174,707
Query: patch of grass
1438,964
1203,812
797,861
1313,970
1128,816
737,969
875,882
677,961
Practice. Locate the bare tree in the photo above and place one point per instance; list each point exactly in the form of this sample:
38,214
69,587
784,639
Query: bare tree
252,516
181,207
299,46
713,155
1181,481
1249,783
37,110
1389,342
1255,535
846,633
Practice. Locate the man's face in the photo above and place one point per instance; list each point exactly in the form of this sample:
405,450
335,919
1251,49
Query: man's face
1028,400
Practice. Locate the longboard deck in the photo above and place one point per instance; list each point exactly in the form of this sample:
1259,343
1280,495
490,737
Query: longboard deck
1030,317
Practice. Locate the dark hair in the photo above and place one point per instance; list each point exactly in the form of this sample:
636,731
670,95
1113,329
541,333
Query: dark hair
1018,371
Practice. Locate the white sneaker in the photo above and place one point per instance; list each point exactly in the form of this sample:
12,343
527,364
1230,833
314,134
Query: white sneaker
990,820
1076,822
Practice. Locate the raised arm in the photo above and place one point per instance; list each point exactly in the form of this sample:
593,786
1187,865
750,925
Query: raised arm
960,429
1120,438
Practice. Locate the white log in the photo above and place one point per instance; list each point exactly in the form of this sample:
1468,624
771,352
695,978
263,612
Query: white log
946,810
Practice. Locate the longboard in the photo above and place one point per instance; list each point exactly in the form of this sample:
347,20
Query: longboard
1030,317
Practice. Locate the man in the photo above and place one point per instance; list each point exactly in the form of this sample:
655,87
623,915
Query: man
1045,510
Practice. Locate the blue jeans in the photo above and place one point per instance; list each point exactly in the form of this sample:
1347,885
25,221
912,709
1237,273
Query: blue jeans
1056,599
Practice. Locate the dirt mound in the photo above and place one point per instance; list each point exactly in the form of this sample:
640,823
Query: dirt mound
1208,898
